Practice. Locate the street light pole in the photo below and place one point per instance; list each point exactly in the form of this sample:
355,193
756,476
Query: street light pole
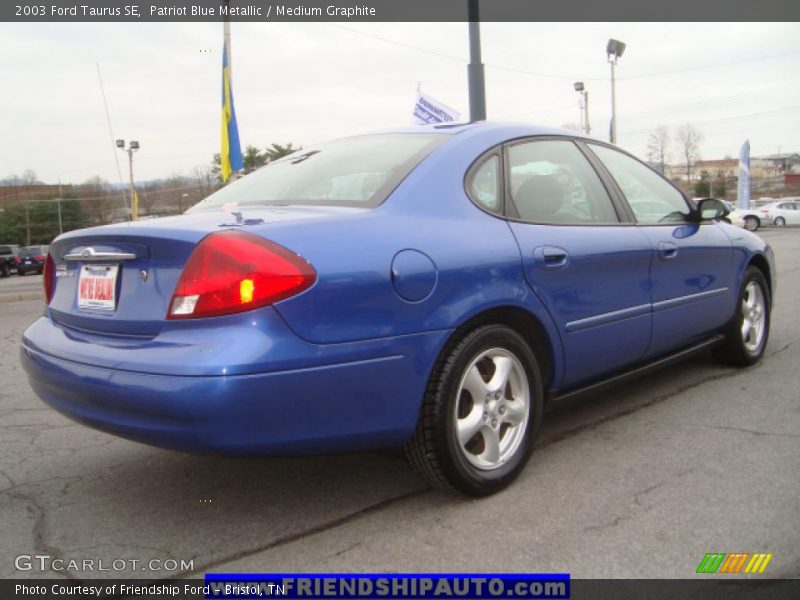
583,105
614,50
613,131
586,111
133,146
475,73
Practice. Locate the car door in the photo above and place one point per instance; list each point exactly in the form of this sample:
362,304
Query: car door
585,262
692,275
792,213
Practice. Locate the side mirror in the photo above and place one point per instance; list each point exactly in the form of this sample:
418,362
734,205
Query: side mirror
710,209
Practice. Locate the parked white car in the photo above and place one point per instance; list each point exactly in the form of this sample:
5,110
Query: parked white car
749,218
783,212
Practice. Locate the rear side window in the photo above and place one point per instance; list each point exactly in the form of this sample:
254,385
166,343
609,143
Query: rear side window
484,183
651,198
356,171
551,181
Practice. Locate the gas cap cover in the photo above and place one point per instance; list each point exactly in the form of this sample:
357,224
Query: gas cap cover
413,275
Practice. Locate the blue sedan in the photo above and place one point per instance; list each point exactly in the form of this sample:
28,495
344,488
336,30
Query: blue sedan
428,288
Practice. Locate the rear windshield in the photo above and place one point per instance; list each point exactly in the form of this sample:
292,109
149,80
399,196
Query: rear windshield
31,251
356,171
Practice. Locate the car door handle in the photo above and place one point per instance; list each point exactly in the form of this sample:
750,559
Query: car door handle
550,257
667,250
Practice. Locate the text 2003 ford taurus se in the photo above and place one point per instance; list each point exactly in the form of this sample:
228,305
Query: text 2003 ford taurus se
427,287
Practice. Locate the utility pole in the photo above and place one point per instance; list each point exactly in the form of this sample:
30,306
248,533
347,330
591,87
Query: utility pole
60,226
27,225
475,72
60,196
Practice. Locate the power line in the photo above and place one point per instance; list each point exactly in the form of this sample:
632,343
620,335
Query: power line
550,75
110,132
725,119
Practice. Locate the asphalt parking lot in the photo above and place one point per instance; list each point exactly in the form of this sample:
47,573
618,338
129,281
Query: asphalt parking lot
640,481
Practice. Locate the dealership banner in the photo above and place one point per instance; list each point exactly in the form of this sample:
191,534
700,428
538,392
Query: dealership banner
743,191
429,110
395,10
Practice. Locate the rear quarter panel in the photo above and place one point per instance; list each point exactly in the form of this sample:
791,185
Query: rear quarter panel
477,260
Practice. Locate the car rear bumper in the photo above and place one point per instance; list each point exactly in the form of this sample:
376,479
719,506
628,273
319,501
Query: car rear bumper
350,403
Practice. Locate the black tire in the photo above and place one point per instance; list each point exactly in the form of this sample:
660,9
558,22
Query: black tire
751,223
735,350
20,272
4,270
780,221
434,451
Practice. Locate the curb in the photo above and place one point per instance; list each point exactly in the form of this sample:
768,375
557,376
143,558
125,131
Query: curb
20,296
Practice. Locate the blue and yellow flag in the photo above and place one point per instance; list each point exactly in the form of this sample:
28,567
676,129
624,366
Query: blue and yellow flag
231,154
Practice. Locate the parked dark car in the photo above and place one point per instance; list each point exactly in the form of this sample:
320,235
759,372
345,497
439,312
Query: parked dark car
8,259
31,258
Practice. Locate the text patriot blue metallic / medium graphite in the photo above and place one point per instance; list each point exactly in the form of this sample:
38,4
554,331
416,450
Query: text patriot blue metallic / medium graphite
426,287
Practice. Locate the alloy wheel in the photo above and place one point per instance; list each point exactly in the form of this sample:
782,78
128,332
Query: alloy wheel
753,316
491,409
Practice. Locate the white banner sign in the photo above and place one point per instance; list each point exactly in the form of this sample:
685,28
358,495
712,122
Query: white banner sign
429,110
743,195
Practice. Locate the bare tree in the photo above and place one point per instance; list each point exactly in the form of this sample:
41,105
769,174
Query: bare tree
689,139
658,147
205,177
98,200
29,177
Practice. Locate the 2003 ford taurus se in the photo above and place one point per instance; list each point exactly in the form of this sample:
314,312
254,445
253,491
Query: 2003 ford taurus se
428,288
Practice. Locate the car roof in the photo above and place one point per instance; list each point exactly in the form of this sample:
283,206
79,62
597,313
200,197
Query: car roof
508,129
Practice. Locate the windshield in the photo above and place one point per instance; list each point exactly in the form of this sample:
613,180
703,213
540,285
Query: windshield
356,171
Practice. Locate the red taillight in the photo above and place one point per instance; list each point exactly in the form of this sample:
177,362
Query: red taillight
39,257
18,259
49,279
232,271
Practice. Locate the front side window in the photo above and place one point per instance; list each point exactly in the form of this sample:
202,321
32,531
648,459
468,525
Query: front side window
356,171
551,181
651,198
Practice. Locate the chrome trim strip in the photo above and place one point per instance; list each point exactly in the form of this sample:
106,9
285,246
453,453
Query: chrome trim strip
606,318
638,311
681,300
93,256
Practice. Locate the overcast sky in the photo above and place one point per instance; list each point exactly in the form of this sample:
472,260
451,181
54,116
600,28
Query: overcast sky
307,82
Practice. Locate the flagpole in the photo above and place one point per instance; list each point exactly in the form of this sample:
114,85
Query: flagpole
231,149
226,28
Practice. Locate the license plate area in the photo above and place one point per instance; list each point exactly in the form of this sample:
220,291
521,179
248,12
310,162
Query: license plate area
97,287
